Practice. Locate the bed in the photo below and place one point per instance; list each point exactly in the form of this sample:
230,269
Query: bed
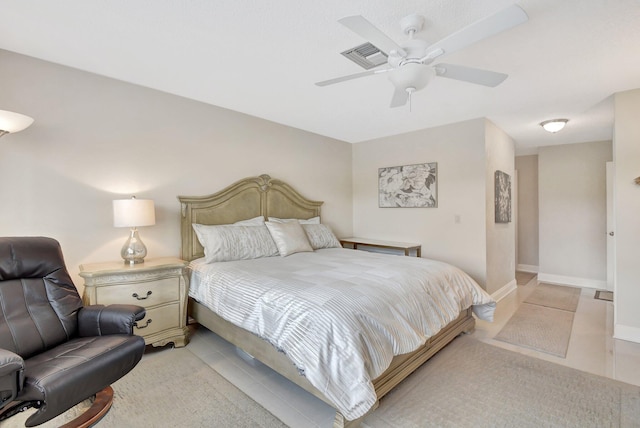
264,197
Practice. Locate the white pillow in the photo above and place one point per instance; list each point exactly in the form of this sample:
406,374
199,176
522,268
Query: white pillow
312,220
256,221
224,243
321,236
289,237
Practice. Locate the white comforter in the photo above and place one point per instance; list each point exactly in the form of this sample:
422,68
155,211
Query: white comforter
340,315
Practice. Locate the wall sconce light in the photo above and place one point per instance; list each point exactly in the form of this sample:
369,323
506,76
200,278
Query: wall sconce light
13,122
554,125
133,213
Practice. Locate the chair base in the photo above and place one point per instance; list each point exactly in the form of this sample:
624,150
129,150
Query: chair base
101,405
99,408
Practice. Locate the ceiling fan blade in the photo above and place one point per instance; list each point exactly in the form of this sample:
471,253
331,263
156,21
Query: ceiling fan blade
351,77
489,26
399,98
370,32
470,74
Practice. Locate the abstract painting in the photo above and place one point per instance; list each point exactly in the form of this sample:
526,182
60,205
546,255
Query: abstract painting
503,197
408,186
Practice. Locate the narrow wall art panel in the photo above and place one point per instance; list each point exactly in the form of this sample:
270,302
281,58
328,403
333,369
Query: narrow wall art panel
503,197
408,186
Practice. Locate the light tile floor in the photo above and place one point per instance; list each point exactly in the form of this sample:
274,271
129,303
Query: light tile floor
591,349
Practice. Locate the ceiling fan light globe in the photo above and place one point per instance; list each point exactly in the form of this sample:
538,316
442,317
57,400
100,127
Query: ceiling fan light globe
415,76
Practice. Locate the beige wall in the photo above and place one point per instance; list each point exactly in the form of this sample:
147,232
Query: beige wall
499,152
527,167
627,215
572,213
96,139
459,150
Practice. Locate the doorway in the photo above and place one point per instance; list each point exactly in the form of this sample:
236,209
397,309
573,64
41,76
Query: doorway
611,238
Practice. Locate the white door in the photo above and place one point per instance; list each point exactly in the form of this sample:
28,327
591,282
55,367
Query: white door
611,239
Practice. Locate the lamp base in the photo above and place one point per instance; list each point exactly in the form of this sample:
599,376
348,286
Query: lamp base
133,251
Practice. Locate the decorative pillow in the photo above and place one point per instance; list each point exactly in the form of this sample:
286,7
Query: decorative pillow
256,221
312,220
321,236
226,243
290,237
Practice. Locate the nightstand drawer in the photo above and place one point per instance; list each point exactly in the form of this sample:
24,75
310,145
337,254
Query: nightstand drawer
158,319
144,294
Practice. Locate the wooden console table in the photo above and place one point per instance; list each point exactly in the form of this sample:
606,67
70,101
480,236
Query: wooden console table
403,246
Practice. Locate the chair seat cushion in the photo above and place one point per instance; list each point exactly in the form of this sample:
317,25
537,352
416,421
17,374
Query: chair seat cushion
75,370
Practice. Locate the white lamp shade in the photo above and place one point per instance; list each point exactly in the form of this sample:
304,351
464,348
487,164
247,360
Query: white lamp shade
410,75
133,212
13,122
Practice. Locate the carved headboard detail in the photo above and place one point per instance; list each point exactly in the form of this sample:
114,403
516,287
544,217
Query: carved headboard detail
245,199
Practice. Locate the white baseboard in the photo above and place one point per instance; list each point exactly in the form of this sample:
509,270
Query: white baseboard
504,291
625,332
527,268
572,280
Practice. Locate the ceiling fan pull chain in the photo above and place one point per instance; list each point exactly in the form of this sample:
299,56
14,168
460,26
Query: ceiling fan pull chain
410,92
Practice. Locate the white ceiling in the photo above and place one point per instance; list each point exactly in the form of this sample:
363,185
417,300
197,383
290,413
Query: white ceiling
263,58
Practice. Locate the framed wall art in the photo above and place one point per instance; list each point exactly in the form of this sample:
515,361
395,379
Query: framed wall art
408,186
503,197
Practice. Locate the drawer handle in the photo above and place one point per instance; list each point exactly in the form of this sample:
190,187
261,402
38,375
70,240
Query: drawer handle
144,326
141,298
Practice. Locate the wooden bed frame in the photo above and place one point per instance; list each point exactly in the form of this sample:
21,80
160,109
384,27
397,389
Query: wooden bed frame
264,196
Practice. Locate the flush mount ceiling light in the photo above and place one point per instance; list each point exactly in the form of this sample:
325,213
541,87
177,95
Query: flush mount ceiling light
554,125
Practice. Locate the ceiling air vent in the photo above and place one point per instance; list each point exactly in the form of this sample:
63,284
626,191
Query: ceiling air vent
366,56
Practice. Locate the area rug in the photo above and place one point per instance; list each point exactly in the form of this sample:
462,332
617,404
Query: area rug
523,278
473,384
539,327
555,296
604,295
173,388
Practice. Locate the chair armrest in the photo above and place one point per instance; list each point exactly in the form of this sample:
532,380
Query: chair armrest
11,376
100,320
10,362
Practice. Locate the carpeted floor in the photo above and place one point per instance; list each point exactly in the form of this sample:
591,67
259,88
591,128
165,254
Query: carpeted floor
473,384
467,384
544,320
173,388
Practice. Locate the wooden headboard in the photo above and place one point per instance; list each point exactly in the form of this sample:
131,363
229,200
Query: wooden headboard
244,199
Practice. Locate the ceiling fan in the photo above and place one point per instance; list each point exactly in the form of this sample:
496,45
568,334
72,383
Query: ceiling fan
410,63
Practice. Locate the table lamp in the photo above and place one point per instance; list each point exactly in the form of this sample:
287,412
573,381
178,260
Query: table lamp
133,213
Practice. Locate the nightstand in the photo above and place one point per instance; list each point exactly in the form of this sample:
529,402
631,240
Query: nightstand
159,285
402,246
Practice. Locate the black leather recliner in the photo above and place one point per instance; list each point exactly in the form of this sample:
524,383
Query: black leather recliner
55,353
